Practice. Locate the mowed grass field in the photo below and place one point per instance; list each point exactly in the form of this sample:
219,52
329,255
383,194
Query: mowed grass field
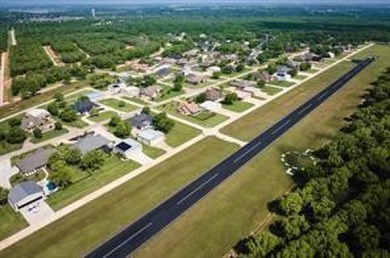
84,229
250,125
238,206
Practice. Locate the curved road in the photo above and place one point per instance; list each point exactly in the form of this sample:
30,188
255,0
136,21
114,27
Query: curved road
151,223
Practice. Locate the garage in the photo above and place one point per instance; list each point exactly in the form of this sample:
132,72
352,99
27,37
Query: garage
24,194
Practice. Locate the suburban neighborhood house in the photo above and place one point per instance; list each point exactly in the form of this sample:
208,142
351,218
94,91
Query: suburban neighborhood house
34,161
37,118
128,148
151,137
93,142
141,121
188,108
151,92
195,79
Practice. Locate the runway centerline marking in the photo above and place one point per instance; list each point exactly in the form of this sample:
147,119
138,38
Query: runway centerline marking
280,127
306,108
245,153
127,240
196,189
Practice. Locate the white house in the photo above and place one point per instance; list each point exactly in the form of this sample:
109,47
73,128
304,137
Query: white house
131,91
150,137
128,148
213,69
24,194
211,105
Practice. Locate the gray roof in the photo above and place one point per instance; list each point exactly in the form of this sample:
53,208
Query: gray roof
91,142
22,190
35,160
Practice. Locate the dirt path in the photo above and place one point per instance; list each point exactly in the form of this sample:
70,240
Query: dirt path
13,38
54,57
5,81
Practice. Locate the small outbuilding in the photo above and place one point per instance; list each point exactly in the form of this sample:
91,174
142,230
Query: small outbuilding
128,148
24,194
150,137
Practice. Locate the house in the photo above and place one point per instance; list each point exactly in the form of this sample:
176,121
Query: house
242,84
95,95
142,121
282,73
244,94
331,55
151,92
140,68
163,72
188,108
83,107
213,69
37,118
24,194
34,161
131,91
93,142
116,88
194,78
213,94
150,137
262,76
230,57
128,148
292,64
211,105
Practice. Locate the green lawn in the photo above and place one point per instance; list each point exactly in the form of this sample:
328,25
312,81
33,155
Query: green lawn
180,134
102,116
49,135
112,169
238,106
168,93
118,105
312,70
281,83
200,85
270,90
211,121
10,221
239,205
136,100
152,152
249,126
79,232
75,96
77,123
300,77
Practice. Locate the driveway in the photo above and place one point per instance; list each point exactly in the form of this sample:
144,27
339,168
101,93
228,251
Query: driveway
6,172
37,212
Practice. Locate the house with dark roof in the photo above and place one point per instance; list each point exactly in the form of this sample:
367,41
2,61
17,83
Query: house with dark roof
242,84
141,121
24,194
34,161
84,107
93,142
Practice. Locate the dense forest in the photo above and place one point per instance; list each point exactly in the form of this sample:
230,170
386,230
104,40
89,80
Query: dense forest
341,206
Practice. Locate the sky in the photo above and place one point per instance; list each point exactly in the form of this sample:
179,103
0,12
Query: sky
97,2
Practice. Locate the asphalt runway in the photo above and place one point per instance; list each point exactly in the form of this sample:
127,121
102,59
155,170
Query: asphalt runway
139,232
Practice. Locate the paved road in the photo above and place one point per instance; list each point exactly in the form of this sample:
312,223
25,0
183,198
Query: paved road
132,237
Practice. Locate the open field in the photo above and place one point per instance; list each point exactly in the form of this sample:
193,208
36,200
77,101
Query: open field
300,77
180,134
238,106
102,116
152,152
75,234
271,90
136,100
11,222
239,205
118,105
250,125
281,83
112,169
49,135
